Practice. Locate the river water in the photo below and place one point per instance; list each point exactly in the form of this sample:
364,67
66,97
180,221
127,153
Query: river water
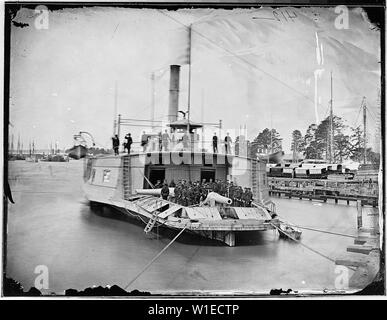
51,225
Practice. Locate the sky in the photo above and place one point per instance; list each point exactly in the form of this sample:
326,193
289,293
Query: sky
257,67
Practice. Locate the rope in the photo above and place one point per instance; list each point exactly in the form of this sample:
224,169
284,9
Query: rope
154,259
307,247
317,230
329,232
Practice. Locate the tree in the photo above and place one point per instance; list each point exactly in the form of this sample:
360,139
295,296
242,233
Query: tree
317,140
357,144
373,157
298,143
342,147
267,141
310,146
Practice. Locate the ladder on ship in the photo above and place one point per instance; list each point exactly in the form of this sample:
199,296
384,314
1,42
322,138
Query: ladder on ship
127,181
151,223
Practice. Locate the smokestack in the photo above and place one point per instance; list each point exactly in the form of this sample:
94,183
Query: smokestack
174,93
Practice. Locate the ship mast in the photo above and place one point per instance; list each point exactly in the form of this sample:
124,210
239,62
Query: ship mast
365,129
115,108
189,79
12,146
153,93
331,133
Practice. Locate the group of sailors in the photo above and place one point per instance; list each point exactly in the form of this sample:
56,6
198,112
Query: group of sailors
127,144
166,142
188,193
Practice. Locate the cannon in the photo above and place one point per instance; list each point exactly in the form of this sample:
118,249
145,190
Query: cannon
214,197
154,192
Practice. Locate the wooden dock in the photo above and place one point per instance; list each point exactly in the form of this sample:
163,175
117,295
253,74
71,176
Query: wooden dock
324,190
364,254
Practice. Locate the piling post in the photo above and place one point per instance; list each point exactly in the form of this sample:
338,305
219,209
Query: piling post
359,214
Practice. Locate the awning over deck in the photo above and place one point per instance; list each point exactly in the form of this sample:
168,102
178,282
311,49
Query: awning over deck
183,123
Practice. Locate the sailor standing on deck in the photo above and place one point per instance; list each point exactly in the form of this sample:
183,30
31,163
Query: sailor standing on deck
128,142
215,143
144,141
116,144
165,139
227,143
160,141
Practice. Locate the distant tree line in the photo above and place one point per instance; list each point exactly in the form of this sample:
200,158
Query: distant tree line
348,142
267,141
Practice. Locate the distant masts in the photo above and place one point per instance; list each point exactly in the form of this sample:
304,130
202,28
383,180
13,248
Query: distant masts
377,129
364,105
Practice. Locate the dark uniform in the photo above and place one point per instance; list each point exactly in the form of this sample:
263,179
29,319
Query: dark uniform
165,192
203,192
172,184
216,186
184,195
238,196
158,184
129,142
116,144
247,198
215,143
222,188
231,191
244,198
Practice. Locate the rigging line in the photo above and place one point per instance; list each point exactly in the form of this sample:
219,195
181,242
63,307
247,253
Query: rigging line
357,118
371,113
307,247
155,258
240,58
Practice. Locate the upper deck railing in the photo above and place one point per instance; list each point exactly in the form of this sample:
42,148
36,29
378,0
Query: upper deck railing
154,144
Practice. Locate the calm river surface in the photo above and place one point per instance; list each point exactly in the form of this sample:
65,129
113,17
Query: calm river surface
51,224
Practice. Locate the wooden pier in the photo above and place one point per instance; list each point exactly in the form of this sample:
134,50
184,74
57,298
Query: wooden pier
324,190
364,254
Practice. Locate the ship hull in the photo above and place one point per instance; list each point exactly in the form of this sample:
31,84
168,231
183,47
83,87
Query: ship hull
227,232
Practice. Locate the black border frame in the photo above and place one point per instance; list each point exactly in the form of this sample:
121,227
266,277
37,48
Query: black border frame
375,9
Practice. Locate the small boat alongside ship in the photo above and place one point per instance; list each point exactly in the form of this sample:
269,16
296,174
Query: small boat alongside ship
287,231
